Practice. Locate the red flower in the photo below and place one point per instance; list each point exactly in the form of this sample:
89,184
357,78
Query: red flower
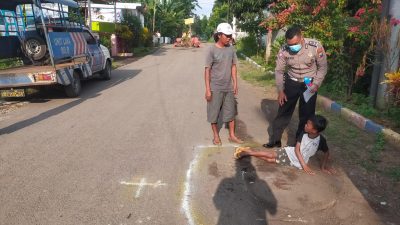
360,71
272,5
323,3
360,12
394,21
316,10
354,29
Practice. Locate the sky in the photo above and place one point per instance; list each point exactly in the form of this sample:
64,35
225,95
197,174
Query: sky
206,6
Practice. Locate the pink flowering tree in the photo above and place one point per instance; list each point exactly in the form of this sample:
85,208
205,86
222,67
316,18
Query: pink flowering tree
324,20
360,42
345,32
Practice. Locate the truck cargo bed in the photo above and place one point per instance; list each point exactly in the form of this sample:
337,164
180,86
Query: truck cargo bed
38,69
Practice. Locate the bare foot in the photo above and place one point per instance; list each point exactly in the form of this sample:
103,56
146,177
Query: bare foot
236,140
217,141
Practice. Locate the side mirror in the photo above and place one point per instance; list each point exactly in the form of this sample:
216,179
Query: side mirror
97,38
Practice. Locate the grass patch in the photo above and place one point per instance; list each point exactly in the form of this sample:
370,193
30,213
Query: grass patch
393,173
375,152
9,63
142,51
339,129
361,104
255,76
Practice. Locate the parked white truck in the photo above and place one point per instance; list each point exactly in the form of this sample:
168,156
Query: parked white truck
47,36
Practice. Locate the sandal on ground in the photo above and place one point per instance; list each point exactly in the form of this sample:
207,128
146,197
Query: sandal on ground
237,154
236,140
217,142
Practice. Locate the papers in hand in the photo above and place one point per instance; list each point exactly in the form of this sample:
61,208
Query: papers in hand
308,94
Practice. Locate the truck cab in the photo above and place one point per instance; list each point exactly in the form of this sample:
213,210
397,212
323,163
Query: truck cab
53,45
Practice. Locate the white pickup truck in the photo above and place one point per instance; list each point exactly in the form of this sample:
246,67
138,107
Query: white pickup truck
70,52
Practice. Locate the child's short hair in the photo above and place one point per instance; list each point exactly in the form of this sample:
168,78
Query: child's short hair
319,122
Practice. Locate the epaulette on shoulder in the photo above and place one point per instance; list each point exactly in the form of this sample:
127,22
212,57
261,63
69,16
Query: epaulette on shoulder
313,43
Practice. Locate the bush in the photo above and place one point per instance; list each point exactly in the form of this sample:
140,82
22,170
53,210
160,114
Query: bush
248,46
146,38
105,39
135,25
125,35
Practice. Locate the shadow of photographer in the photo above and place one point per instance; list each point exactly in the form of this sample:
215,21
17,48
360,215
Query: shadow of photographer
244,198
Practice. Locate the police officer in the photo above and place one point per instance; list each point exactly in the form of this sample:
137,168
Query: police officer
304,59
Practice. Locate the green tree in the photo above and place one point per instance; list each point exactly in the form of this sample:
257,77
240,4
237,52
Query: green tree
135,26
168,15
248,12
218,15
170,18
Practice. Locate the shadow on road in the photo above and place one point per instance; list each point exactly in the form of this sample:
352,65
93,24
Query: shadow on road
90,89
270,108
244,198
159,52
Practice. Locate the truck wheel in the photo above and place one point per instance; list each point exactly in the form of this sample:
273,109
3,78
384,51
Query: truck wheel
106,73
74,89
35,48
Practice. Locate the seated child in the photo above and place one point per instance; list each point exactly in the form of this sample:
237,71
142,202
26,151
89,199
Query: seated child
307,144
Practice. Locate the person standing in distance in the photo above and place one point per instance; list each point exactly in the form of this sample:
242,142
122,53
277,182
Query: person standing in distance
301,64
221,83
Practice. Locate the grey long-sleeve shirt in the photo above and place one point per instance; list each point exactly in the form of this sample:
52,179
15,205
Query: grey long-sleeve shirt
310,61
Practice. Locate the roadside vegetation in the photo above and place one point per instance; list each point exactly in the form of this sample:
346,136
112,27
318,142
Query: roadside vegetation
356,36
9,63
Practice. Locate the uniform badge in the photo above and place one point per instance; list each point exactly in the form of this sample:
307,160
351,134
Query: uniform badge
320,52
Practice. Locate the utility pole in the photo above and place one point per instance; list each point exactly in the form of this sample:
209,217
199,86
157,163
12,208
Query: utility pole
391,61
154,14
115,14
378,59
90,14
229,11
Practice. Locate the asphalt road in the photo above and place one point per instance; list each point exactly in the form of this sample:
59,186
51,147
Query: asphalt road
137,150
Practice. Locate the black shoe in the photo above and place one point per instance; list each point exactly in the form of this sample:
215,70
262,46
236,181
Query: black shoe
271,145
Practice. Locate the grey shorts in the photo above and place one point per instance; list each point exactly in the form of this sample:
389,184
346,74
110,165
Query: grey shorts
222,104
281,157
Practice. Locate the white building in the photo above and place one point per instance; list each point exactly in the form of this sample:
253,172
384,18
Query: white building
106,13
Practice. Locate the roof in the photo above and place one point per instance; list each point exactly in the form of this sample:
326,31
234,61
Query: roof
70,3
118,6
11,5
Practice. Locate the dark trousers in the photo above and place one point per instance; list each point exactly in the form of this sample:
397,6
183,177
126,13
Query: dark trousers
293,90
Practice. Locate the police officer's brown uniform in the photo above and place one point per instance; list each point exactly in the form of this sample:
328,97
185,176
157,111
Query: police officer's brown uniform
311,62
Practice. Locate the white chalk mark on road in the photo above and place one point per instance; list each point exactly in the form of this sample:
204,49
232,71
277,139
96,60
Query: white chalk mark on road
216,146
187,191
140,187
142,184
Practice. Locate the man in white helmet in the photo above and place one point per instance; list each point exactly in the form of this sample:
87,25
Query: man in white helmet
221,83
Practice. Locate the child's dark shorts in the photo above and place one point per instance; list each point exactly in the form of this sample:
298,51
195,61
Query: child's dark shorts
282,157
